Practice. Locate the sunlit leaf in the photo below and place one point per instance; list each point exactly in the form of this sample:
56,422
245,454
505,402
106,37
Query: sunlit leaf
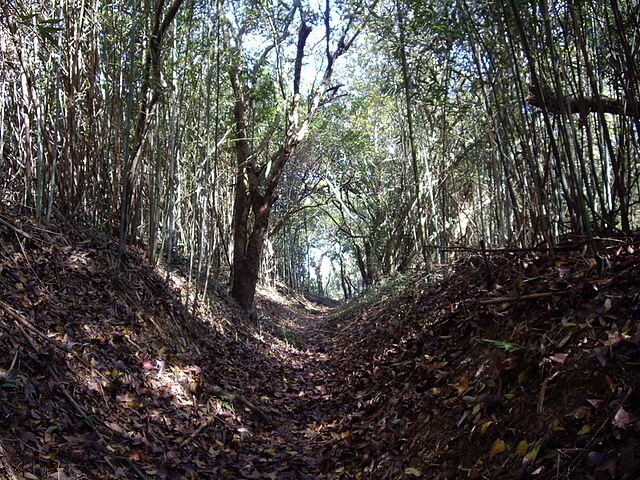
412,471
532,455
522,448
498,447
463,386
556,426
584,430
485,426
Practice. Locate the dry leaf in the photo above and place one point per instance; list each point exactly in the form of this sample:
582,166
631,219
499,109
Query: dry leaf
463,386
522,448
412,471
559,357
485,426
498,447
623,419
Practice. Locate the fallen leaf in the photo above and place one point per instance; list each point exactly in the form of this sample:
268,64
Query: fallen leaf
463,386
556,426
584,430
522,377
498,447
522,448
559,357
485,426
412,471
623,419
531,456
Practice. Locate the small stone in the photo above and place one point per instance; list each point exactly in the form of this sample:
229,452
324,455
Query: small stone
594,459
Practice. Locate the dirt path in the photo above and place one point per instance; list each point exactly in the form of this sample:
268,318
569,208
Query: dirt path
296,390
101,372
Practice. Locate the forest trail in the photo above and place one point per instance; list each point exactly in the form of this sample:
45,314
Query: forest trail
297,385
106,374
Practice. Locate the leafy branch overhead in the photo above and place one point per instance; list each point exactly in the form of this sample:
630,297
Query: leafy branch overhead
257,181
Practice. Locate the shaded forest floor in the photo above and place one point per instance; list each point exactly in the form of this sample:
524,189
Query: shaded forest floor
105,374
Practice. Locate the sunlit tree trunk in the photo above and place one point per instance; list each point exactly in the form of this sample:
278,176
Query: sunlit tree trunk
256,184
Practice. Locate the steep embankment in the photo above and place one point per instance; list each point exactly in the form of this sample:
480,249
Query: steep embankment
535,378
104,374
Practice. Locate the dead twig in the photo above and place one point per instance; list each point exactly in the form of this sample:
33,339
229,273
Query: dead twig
233,397
7,223
532,296
61,348
25,323
5,466
21,323
203,426
127,461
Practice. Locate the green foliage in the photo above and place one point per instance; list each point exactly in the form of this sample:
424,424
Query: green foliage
488,163
506,346
21,18
264,95
291,336
385,289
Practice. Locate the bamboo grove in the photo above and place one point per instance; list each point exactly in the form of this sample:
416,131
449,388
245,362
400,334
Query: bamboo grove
327,145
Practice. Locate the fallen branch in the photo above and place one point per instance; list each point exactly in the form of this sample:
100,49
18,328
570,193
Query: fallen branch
532,296
203,426
25,327
82,413
220,392
567,247
127,461
25,323
7,223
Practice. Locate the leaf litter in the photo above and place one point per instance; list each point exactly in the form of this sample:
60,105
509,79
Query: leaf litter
104,373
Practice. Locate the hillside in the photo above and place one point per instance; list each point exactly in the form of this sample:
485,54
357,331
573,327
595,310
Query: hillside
105,374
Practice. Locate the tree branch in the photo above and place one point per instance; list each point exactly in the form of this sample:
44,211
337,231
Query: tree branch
303,34
583,105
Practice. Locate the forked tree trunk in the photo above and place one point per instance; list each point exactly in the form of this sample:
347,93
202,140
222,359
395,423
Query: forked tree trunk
256,184
246,263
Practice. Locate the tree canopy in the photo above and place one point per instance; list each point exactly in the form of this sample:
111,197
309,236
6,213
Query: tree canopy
328,145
